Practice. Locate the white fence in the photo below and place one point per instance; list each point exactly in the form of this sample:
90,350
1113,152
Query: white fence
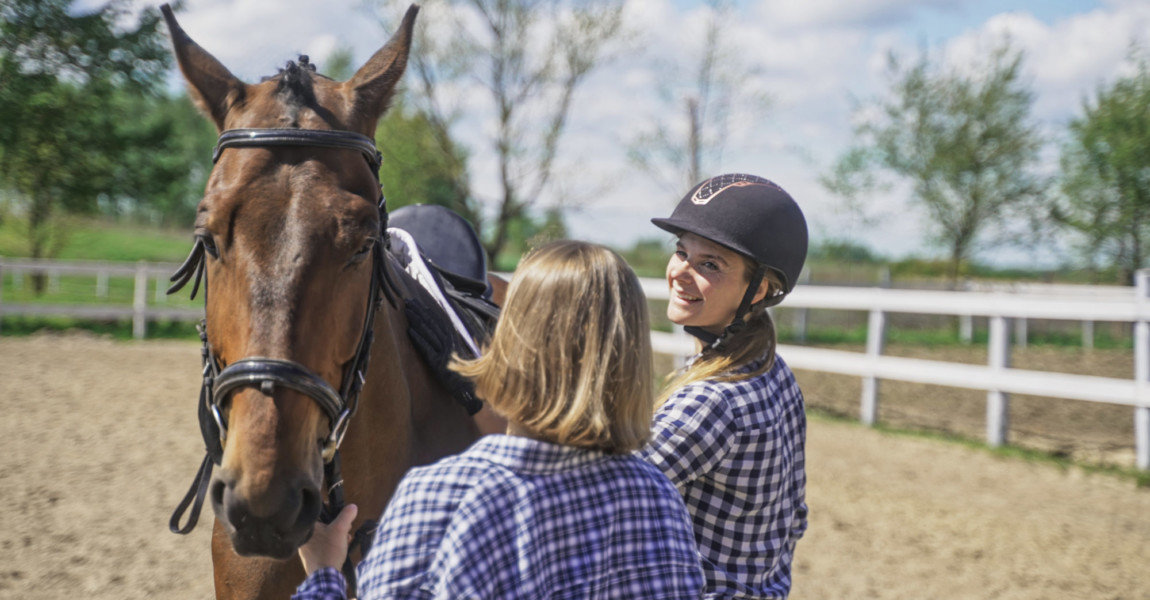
996,378
140,311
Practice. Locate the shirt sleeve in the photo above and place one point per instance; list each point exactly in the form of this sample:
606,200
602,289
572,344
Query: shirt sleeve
691,433
323,584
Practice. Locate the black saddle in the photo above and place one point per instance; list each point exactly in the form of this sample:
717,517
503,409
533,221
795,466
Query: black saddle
449,243
450,246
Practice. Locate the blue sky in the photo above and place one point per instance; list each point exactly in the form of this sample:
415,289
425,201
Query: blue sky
814,58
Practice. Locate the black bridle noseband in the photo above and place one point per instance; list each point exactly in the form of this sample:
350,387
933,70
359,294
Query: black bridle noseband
267,373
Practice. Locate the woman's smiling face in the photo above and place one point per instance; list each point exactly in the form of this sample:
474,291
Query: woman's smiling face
707,282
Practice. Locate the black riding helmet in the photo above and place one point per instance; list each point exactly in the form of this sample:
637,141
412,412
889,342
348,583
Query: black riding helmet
753,217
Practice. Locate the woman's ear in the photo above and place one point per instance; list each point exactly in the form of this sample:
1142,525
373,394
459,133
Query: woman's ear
764,287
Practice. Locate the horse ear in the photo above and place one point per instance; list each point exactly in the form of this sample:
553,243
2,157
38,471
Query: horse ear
213,88
373,85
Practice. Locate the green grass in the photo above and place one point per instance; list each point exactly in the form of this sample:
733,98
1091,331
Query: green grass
15,325
92,239
1140,478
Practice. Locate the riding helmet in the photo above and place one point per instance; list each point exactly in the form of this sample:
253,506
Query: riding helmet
750,215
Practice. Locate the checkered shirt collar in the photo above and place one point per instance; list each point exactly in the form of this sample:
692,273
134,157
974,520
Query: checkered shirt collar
525,455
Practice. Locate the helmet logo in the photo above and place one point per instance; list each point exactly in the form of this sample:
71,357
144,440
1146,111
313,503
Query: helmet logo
717,185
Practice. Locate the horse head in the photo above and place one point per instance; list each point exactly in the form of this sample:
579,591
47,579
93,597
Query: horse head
290,235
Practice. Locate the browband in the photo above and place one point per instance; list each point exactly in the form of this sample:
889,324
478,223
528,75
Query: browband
238,138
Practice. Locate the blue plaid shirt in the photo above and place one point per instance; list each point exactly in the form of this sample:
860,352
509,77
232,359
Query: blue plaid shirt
735,451
518,518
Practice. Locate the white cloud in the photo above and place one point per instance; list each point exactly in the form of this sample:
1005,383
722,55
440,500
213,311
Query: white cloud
1069,58
836,13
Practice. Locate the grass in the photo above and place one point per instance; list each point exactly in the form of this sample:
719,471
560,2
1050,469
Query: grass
15,325
1140,479
93,239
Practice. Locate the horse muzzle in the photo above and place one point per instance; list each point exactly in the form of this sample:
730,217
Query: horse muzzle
273,523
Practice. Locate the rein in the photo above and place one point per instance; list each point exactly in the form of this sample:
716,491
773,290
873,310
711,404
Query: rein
267,373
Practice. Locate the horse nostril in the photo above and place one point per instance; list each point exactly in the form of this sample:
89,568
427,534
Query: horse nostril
310,505
217,491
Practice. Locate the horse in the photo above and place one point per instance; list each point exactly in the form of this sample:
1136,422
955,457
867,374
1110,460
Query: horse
305,326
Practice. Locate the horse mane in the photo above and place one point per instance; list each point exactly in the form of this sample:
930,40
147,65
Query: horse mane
295,82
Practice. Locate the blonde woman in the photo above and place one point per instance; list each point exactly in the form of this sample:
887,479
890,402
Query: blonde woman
560,506
730,427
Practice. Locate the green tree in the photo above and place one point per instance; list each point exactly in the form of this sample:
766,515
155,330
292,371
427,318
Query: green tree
963,139
1106,176
418,166
163,165
515,65
61,127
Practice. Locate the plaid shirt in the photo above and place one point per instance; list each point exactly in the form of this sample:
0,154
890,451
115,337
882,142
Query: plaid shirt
518,518
735,451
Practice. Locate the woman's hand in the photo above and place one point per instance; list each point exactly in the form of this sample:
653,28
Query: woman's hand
328,544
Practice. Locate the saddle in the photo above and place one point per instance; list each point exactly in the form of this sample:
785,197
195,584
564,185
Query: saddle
442,271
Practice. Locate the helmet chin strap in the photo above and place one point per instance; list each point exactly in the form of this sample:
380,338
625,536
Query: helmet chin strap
715,342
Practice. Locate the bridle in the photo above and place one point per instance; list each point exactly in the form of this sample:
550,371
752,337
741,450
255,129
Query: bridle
267,373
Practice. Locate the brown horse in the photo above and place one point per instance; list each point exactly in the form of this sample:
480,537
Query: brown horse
289,238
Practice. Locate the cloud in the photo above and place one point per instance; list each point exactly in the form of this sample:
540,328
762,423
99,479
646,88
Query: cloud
838,14
255,38
1069,58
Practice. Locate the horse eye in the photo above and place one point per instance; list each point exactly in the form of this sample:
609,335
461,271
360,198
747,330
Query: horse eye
364,251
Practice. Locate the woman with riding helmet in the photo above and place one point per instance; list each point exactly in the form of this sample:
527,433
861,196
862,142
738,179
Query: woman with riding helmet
560,506
729,429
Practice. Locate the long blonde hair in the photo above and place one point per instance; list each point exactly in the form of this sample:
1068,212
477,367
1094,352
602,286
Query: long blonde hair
756,340
570,359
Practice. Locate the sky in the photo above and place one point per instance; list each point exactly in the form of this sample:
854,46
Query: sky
816,60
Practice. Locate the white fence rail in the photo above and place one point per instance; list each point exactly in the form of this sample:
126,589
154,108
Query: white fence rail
996,378
140,312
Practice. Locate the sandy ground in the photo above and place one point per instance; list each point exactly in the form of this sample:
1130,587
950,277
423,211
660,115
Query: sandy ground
98,443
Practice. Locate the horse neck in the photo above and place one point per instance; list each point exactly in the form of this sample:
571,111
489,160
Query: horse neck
406,417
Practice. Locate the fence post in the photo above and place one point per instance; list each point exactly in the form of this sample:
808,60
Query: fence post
1020,332
875,338
966,328
997,402
1088,335
102,283
1142,369
966,322
161,291
140,302
801,313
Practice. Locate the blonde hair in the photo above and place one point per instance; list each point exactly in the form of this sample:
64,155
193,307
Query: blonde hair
753,342
570,359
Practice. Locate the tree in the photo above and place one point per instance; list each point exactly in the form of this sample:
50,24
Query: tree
163,163
419,166
678,153
61,133
964,141
1106,175
514,66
